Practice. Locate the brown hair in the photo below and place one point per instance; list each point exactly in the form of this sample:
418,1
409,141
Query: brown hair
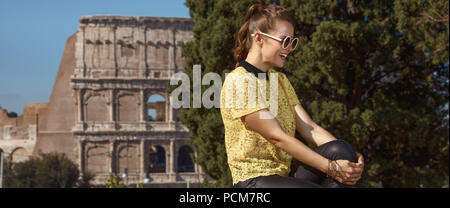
258,17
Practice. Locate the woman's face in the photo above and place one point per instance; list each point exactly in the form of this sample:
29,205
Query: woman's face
272,52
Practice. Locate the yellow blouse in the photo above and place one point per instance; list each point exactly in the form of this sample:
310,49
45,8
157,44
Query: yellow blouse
250,154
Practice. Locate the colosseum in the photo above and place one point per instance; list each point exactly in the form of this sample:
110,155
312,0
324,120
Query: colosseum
109,110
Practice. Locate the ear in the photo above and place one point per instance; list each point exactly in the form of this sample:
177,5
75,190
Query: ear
258,39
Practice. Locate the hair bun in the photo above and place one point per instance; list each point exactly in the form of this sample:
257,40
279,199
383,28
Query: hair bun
255,8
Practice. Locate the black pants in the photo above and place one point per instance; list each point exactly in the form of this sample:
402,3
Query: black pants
305,176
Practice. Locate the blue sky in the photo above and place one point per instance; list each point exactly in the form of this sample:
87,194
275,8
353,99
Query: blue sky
33,35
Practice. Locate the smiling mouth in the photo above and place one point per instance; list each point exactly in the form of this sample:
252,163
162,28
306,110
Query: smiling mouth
283,56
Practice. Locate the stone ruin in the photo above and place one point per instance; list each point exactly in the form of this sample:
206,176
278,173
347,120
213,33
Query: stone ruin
109,110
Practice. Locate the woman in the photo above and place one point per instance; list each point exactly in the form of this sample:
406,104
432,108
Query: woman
259,136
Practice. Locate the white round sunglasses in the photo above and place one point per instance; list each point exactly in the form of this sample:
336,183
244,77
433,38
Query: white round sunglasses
285,42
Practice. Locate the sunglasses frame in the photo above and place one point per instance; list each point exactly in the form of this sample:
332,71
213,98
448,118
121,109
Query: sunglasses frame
281,40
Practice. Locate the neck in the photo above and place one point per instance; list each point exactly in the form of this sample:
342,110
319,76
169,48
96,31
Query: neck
257,62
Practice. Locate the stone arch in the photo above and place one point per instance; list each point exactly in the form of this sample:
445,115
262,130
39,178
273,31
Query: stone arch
184,160
156,107
90,93
96,107
96,159
128,159
19,154
127,107
156,159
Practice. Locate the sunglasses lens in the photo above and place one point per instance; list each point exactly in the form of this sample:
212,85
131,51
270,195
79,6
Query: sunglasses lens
286,42
294,43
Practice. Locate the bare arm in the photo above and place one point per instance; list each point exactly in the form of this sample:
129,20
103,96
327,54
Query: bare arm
310,131
316,135
272,131
349,173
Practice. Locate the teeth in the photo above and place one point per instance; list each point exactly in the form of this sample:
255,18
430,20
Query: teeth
285,55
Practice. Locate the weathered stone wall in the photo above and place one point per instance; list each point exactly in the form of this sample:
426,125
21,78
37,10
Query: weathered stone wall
55,133
134,47
32,112
18,135
98,110
5,119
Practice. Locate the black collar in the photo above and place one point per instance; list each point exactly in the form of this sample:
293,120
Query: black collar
252,69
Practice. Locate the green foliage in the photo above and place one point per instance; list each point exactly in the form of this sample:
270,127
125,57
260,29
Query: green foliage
370,73
113,182
12,114
374,73
85,180
9,114
47,171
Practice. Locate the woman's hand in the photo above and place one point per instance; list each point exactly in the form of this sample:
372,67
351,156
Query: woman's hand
360,159
347,172
359,165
